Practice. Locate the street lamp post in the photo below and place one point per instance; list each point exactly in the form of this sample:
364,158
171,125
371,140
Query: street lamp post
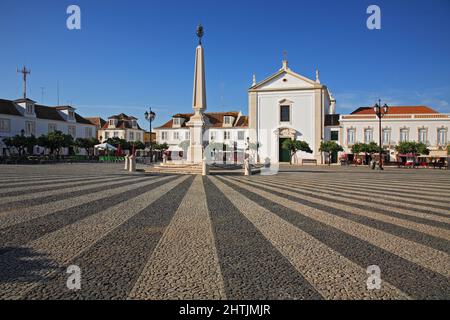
380,111
150,116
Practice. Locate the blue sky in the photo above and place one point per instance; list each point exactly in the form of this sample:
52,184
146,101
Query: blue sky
132,54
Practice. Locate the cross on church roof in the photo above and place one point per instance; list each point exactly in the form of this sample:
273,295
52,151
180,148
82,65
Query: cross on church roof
285,63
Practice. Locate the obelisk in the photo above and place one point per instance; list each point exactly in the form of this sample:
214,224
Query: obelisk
197,121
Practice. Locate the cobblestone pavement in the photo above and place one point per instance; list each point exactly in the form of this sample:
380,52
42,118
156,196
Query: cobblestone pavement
306,233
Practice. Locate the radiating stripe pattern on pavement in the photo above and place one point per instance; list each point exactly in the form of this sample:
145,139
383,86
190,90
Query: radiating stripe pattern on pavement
304,234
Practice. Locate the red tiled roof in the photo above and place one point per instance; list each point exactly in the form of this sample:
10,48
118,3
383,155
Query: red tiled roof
97,121
242,122
215,118
121,125
183,115
122,116
80,119
397,110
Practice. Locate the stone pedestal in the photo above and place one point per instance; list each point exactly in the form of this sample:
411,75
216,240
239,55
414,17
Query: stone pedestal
195,154
195,150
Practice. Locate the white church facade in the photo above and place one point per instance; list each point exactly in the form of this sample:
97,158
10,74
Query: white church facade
287,105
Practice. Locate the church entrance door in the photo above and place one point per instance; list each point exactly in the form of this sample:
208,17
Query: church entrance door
283,155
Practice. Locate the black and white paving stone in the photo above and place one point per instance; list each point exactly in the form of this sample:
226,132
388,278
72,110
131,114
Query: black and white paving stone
306,233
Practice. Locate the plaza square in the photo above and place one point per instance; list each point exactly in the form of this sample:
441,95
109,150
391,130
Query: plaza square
307,233
220,159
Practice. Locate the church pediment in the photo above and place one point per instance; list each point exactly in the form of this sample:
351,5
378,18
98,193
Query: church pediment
285,79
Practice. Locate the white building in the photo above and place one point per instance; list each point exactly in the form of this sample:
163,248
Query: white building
229,129
123,127
24,116
284,106
402,123
287,105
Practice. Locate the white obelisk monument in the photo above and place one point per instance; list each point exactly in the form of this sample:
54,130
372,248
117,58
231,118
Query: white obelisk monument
197,121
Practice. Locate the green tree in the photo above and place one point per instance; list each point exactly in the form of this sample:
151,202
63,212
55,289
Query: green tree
86,144
150,144
357,148
118,142
422,148
366,148
138,145
22,143
448,149
55,141
161,147
295,145
413,147
330,147
371,148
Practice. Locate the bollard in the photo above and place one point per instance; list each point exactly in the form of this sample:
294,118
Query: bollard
247,170
205,170
132,163
127,162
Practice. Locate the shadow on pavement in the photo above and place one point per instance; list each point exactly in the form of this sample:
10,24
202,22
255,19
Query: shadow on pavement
18,264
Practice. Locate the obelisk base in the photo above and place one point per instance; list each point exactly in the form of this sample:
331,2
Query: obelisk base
195,154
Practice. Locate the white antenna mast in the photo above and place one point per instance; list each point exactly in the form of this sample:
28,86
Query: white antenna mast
57,91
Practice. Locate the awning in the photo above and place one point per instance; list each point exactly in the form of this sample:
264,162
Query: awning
409,155
175,148
105,146
438,154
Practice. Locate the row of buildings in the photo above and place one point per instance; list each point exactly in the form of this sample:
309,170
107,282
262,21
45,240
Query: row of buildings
26,117
287,105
